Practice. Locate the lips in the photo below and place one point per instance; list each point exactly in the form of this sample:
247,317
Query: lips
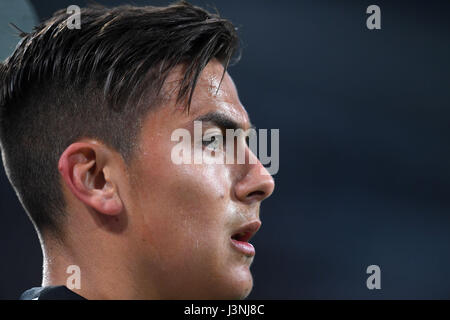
240,238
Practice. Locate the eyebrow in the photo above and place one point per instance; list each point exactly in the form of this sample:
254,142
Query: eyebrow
221,120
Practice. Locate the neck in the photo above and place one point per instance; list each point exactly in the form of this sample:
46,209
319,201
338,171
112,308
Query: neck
95,272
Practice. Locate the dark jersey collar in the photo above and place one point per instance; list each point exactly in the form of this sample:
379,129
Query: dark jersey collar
50,293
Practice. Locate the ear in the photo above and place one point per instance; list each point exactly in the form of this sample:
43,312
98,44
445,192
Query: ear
86,169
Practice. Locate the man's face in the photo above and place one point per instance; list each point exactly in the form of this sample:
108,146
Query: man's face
186,217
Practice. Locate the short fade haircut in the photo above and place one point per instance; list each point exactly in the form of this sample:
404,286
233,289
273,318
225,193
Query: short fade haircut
61,85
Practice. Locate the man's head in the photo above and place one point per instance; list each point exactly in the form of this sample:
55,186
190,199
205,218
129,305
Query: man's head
86,122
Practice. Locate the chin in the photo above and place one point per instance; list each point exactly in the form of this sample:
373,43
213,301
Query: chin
240,285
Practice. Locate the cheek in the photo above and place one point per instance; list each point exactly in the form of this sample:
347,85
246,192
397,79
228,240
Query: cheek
185,206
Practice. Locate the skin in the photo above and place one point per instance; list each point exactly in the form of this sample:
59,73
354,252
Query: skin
153,229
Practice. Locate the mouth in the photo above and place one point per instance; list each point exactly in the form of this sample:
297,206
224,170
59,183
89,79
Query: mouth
240,238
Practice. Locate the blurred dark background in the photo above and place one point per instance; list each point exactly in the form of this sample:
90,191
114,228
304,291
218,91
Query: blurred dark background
364,146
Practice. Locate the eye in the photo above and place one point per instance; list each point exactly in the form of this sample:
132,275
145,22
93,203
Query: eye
213,142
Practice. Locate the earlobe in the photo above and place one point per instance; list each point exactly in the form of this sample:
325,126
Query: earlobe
83,167
111,205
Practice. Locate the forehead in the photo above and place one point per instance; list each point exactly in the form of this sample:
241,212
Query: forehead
214,92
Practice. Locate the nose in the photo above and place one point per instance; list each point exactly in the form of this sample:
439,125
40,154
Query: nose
256,183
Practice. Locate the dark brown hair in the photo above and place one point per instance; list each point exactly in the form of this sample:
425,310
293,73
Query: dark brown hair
62,84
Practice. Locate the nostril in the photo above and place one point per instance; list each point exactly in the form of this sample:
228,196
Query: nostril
256,193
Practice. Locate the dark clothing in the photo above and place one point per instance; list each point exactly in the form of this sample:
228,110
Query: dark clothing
50,293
